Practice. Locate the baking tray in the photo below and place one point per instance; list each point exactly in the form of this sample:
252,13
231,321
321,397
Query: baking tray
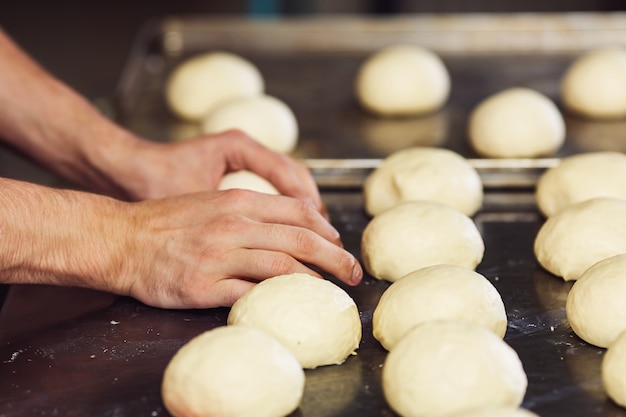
311,64
74,352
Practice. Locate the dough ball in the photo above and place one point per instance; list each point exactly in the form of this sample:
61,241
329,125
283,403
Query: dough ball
613,375
595,303
199,84
516,123
418,173
416,234
247,180
581,177
444,367
498,412
317,320
595,84
264,118
440,292
402,80
577,237
233,371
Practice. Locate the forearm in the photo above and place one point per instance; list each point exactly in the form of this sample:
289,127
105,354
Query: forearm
60,237
46,120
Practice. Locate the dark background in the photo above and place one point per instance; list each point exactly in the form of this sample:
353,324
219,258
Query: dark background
86,43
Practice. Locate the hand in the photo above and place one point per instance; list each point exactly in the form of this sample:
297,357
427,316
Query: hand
153,170
207,249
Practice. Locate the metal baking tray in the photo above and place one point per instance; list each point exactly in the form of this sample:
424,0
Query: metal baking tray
75,352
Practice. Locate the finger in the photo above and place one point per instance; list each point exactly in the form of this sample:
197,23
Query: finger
226,291
277,209
290,177
260,264
308,247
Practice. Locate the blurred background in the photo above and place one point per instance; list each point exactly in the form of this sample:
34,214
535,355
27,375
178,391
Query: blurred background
86,43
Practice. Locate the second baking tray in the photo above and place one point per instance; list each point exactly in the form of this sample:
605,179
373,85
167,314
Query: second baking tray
311,64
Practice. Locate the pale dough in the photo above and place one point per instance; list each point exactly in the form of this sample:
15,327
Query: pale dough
422,173
577,237
595,84
441,368
265,118
595,303
402,80
581,177
416,234
613,375
516,123
314,318
247,180
196,86
235,371
437,292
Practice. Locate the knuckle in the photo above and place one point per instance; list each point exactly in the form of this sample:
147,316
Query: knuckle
281,264
304,242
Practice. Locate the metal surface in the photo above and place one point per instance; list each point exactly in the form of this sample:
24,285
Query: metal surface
78,353
81,353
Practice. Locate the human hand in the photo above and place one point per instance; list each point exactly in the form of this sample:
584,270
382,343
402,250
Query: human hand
198,164
206,249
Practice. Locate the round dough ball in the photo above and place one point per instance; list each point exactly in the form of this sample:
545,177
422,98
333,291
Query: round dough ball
444,367
417,234
418,173
498,412
402,80
233,371
247,180
516,123
577,237
581,177
613,375
595,303
317,320
439,292
595,84
198,85
265,118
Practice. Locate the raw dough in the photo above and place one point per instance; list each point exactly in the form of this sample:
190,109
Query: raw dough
498,412
317,320
581,177
233,371
402,80
595,303
247,180
595,84
444,367
200,83
418,173
265,118
440,292
516,123
416,234
613,375
577,237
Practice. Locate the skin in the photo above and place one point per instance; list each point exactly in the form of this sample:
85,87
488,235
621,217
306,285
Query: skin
152,226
